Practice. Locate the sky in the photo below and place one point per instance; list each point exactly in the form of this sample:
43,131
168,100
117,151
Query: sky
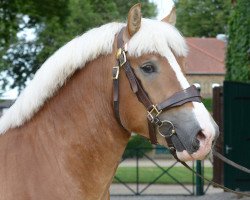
163,8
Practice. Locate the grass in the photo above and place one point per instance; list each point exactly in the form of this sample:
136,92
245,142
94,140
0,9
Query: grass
148,174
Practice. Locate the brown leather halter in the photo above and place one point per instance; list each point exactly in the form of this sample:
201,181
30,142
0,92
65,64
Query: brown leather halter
154,110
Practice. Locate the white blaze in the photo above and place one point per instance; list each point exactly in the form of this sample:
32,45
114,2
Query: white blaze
204,119
175,66
200,112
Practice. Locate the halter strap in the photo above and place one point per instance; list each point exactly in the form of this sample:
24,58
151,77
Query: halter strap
180,98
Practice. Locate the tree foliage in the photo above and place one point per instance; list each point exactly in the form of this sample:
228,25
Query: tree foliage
205,18
54,23
238,50
19,56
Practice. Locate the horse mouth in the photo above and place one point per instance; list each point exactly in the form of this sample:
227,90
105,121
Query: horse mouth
203,149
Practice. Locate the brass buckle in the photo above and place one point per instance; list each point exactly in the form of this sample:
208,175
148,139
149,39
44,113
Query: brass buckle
116,71
121,56
154,112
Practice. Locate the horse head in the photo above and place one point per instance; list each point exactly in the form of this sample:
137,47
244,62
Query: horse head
156,52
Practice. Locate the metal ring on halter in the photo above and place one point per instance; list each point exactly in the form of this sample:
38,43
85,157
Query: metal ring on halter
172,131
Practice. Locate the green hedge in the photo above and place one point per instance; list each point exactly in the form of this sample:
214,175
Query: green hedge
238,47
135,142
208,103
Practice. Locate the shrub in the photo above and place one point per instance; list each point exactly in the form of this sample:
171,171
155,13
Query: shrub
208,103
238,59
137,145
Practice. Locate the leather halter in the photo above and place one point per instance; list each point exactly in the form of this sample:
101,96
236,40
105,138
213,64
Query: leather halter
154,110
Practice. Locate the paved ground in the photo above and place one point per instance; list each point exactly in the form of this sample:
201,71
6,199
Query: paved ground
117,189
217,196
170,192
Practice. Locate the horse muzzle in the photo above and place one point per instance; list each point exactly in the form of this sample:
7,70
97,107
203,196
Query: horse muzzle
181,139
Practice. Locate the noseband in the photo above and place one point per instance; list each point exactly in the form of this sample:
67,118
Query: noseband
153,110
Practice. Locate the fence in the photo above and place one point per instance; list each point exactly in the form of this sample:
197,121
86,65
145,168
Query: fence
171,169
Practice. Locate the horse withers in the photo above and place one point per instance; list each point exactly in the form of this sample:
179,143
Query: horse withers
61,139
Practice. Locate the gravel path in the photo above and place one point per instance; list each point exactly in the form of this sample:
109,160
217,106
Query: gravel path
172,192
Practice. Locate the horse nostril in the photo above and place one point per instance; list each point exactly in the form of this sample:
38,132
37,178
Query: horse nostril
196,144
200,136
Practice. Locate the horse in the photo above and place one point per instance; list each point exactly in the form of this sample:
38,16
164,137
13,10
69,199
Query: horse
61,138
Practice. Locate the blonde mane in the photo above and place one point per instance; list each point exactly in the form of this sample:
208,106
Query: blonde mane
153,37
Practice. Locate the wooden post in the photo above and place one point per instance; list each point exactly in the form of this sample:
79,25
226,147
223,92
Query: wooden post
218,166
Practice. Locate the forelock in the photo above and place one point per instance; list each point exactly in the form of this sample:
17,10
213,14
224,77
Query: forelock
157,37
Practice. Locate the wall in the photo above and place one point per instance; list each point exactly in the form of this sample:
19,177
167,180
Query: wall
206,81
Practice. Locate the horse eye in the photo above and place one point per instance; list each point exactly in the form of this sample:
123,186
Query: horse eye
148,68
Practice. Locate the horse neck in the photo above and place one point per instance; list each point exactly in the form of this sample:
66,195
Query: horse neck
78,125
86,114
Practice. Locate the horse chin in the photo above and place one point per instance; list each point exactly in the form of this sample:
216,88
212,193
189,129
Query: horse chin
204,150
184,156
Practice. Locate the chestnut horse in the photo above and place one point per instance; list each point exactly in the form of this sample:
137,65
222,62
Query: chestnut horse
61,140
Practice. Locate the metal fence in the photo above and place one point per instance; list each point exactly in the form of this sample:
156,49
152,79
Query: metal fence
153,187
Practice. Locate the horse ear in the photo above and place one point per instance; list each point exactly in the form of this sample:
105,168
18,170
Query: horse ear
134,19
171,18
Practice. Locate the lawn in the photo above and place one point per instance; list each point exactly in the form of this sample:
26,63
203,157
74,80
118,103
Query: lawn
148,174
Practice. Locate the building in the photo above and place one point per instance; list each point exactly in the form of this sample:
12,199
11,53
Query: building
205,63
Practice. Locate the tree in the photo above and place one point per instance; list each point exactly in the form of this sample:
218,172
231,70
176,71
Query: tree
54,23
205,18
148,8
238,48
17,53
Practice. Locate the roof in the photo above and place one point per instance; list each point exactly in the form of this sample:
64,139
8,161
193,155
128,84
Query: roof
206,56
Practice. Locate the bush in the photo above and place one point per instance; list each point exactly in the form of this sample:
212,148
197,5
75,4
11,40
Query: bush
238,60
137,145
208,103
